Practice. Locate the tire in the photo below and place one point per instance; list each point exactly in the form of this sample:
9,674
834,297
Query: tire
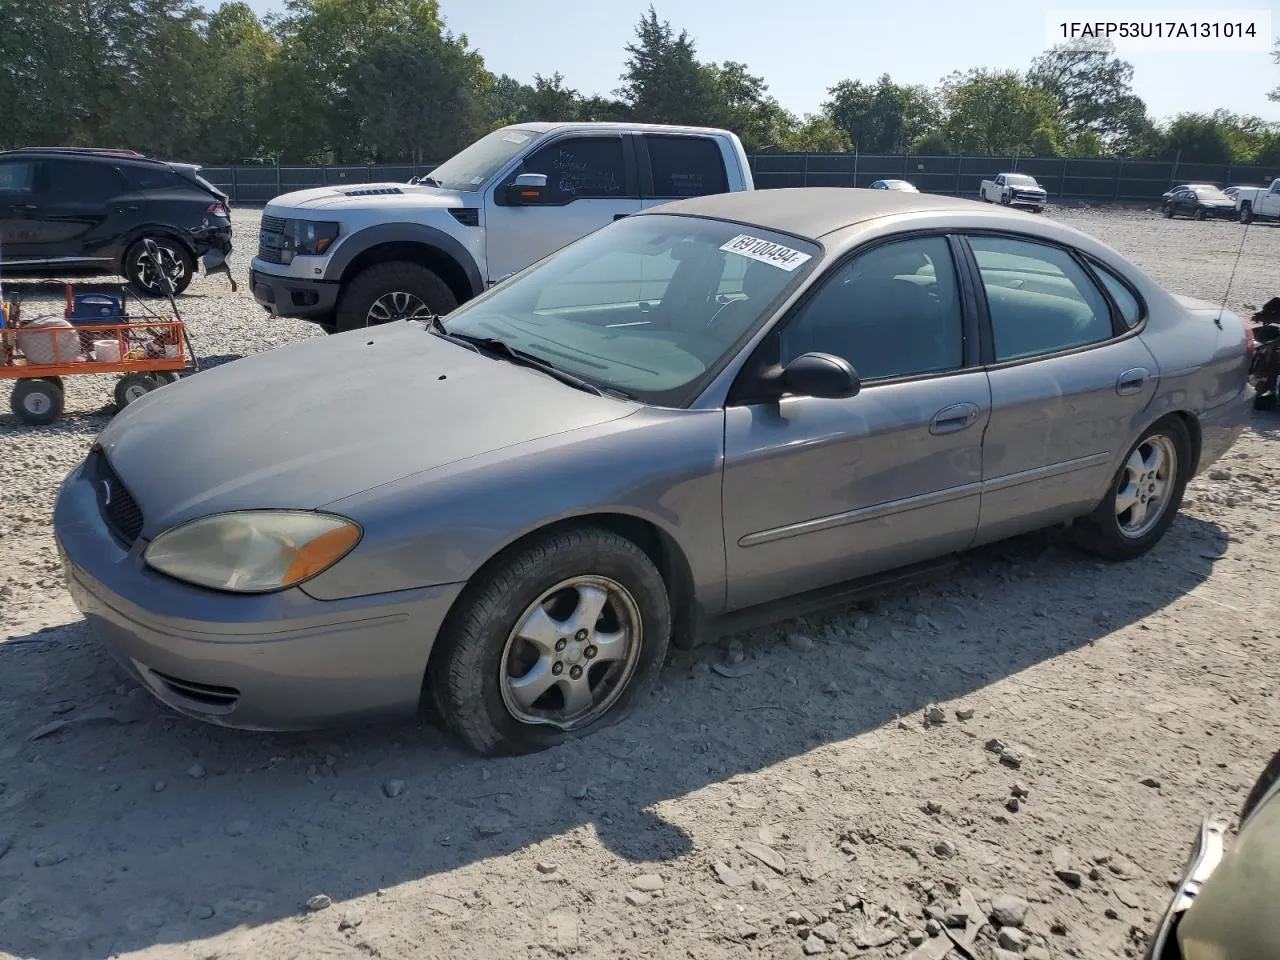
37,401
137,267
1103,533
1004,199
133,386
470,672
394,291
1199,214
1265,782
1246,213
1167,210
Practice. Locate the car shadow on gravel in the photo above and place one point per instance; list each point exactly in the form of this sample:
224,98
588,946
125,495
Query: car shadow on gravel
123,826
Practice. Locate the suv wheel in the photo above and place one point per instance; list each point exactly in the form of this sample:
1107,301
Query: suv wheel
393,291
176,261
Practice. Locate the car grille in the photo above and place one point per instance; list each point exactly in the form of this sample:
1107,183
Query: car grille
217,698
271,239
119,509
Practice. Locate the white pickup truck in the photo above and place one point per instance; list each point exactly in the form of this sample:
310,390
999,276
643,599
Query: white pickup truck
1259,203
1014,189
352,256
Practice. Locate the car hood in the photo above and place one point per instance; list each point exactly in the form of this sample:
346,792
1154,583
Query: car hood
363,196
307,424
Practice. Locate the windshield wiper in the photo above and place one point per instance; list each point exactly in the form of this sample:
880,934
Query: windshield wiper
502,348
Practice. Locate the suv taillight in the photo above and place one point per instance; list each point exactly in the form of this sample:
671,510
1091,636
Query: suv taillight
219,208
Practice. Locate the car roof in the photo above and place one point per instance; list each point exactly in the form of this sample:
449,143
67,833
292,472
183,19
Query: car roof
545,127
813,212
84,152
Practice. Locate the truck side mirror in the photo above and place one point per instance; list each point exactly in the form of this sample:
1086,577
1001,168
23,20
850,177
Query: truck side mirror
526,190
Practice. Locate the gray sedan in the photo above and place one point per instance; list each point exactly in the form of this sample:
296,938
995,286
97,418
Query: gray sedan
719,409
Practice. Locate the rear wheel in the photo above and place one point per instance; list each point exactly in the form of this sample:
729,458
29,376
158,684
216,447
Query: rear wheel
560,639
175,260
134,386
37,401
1144,497
1246,213
393,291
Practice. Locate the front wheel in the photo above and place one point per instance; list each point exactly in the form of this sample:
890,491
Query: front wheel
393,291
1144,497
1199,214
1004,198
175,260
561,638
1167,210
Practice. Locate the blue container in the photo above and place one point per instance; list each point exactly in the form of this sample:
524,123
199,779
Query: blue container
88,308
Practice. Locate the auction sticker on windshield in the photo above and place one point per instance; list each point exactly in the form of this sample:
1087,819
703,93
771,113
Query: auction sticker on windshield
766,251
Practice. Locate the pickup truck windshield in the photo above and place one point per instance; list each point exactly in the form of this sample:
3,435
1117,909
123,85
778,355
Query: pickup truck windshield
1021,180
652,306
471,168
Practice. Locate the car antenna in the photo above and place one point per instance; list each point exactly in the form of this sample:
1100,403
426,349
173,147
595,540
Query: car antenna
1231,279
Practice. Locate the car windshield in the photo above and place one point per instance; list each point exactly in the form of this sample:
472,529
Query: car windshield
472,167
652,306
1021,180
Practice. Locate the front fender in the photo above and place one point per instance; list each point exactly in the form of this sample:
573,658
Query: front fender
440,526
403,232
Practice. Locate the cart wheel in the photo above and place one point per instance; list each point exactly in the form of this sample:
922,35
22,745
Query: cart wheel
164,377
133,386
36,401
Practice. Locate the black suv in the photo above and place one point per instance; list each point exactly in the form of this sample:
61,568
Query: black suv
67,211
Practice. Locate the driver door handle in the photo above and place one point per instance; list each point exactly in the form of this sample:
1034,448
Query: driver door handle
952,419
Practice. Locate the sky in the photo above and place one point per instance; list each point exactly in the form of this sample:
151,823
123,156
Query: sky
803,48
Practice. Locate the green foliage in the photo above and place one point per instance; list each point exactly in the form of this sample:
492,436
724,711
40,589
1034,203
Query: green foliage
883,117
384,80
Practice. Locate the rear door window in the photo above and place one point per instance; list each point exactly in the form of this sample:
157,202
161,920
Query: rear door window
152,177
81,181
686,166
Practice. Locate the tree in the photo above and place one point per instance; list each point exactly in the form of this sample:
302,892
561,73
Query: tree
742,104
883,117
815,134
1093,90
996,112
932,144
239,53
1275,55
663,81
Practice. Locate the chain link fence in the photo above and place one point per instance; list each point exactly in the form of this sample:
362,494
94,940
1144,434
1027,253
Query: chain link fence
1114,180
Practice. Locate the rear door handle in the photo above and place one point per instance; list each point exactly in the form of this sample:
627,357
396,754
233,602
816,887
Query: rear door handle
1132,381
958,416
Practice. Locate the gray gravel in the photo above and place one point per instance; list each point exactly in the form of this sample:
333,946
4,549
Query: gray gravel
774,798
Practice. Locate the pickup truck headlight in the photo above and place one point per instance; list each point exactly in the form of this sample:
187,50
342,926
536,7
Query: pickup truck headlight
307,238
253,551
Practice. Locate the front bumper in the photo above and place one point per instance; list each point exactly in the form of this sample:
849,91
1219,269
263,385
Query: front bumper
281,661
1028,199
294,296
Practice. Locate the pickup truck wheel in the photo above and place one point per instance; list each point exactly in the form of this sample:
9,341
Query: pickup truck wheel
393,291
1004,198
557,640
1246,213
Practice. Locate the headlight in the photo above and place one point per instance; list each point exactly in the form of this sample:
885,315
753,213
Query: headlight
254,551
307,238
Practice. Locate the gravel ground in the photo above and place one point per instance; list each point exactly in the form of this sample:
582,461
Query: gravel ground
781,795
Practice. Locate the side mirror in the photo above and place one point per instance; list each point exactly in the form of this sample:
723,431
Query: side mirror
527,189
819,375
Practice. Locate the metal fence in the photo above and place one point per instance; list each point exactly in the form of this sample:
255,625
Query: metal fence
1116,180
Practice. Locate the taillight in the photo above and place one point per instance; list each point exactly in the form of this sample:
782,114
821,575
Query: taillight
219,208
1250,341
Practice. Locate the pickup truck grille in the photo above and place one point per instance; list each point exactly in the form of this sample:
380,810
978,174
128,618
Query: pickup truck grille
270,239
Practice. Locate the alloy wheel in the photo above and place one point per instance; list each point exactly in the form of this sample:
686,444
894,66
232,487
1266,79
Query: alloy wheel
572,653
1148,480
397,305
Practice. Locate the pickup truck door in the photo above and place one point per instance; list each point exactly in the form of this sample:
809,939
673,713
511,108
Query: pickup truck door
591,181
1269,202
